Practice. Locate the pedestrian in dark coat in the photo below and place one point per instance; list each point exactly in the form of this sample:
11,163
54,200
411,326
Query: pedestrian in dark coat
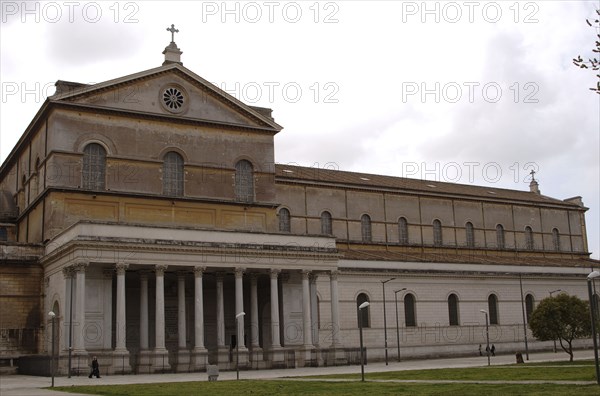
95,368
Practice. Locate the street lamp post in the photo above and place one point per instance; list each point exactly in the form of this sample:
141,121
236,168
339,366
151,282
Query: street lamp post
397,326
360,326
590,278
52,315
237,343
524,318
385,320
487,334
550,292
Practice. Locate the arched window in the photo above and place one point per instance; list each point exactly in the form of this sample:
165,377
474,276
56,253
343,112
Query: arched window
409,310
556,239
493,309
284,220
363,314
528,238
529,304
326,227
470,234
244,181
437,233
453,309
3,234
403,231
173,174
365,228
500,236
94,167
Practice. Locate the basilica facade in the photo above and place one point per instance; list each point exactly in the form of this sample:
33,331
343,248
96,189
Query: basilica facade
148,215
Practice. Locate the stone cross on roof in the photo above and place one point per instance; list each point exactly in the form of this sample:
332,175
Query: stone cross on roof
532,173
173,31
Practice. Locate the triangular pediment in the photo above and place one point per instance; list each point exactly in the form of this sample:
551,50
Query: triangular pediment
171,91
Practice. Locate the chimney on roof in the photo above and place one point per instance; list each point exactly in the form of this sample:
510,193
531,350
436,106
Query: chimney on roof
534,186
172,53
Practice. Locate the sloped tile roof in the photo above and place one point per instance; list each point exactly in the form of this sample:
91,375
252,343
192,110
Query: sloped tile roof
300,174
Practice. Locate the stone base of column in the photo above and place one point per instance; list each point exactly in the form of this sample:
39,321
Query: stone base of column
160,361
256,358
81,362
120,362
336,356
277,358
199,359
223,355
243,358
307,357
144,365
183,361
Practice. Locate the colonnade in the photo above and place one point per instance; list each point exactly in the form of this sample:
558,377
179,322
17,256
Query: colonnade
196,358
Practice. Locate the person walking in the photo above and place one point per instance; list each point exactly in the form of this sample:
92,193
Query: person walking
95,368
493,350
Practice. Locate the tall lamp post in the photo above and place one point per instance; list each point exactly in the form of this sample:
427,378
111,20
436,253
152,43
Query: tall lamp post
385,320
487,334
360,326
551,292
590,279
237,343
524,318
52,315
397,326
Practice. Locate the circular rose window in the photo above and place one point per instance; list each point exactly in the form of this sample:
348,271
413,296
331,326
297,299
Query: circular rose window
173,99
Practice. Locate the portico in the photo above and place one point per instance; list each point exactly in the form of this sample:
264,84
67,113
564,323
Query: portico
175,308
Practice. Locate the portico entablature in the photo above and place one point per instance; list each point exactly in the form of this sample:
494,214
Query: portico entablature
110,243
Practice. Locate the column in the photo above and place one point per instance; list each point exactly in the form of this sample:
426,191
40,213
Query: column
183,355
275,343
68,309
78,339
199,354
121,317
121,354
159,317
223,351
335,316
144,311
306,310
144,362
314,308
198,310
181,325
239,306
107,307
161,359
254,330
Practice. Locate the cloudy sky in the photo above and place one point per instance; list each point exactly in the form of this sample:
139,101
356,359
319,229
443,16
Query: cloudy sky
476,92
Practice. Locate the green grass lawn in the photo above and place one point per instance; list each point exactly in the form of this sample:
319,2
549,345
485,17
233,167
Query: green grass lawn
556,371
577,371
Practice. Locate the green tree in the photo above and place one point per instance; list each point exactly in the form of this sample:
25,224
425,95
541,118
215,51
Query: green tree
563,318
591,63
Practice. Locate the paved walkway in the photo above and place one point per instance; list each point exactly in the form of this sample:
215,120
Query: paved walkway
22,385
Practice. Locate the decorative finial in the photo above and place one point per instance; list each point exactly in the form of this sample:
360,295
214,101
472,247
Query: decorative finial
533,185
173,31
172,53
